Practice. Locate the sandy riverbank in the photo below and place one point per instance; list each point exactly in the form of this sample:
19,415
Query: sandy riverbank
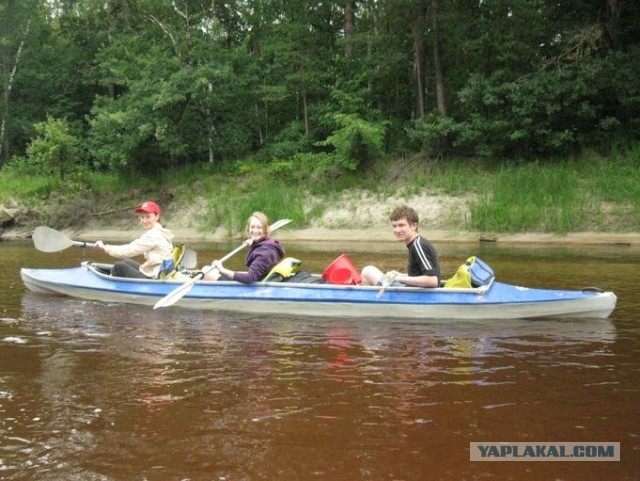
355,217
358,216
378,234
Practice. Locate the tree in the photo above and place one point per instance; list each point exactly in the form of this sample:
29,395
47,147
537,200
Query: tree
296,57
151,84
355,141
179,83
55,146
437,61
15,23
418,28
349,26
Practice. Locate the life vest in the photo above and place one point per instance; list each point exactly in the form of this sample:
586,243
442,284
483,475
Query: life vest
173,268
473,273
283,270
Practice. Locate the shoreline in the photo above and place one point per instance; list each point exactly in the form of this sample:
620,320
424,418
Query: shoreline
382,234
378,234
357,218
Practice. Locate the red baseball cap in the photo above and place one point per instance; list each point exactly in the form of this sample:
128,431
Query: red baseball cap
148,207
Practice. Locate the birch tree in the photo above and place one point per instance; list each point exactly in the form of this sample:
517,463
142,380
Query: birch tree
15,22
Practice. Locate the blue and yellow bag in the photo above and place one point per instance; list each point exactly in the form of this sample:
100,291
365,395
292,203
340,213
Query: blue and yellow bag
473,273
173,268
284,269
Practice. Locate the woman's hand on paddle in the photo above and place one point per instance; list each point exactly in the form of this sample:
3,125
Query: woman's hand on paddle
211,272
222,269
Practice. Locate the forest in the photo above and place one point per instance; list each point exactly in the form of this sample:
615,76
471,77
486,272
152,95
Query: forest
140,86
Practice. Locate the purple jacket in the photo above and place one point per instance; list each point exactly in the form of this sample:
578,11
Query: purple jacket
261,258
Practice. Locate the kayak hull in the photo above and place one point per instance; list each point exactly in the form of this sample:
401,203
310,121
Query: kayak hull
495,301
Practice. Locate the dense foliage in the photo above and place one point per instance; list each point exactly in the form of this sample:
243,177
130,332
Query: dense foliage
313,85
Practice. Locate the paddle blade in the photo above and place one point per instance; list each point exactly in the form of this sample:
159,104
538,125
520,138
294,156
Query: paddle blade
46,239
281,223
190,259
178,293
386,282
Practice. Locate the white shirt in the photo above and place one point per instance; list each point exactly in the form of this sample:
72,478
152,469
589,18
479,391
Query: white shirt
155,245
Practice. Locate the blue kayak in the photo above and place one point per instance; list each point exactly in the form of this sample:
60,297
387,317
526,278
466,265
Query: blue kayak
493,301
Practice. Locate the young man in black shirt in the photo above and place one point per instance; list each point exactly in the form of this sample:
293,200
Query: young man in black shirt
423,269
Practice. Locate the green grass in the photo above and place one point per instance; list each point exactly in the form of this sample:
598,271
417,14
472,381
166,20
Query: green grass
30,188
616,182
231,206
532,198
21,179
562,196
457,177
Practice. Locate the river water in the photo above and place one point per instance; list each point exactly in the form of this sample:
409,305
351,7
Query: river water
92,391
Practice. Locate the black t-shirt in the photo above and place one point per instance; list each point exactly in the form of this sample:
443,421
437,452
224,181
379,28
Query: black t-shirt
423,259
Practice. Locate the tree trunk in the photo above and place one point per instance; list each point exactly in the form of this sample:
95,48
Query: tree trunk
418,29
4,142
612,20
112,8
349,27
259,125
212,128
441,99
437,62
305,113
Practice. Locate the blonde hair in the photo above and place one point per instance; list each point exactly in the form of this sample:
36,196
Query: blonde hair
263,221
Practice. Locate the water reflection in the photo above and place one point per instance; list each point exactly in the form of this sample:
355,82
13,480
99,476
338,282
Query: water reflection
116,392
130,329
153,359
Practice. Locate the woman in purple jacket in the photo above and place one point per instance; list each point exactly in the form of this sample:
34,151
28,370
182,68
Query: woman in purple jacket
264,253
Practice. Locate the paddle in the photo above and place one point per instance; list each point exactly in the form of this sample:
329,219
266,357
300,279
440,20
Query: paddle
386,282
178,293
190,259
46,239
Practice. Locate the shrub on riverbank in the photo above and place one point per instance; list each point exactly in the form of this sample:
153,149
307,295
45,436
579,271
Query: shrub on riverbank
560,197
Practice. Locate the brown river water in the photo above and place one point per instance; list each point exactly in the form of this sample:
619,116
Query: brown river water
93,391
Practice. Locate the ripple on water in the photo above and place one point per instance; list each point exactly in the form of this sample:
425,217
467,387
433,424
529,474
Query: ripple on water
136,389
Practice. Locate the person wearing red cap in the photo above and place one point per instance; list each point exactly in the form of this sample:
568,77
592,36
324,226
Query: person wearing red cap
155,245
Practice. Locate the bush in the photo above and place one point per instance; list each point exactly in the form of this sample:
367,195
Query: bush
55,146
532,198
548,113
356,141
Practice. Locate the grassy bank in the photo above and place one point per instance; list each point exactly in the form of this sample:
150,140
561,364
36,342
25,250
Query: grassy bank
589,194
